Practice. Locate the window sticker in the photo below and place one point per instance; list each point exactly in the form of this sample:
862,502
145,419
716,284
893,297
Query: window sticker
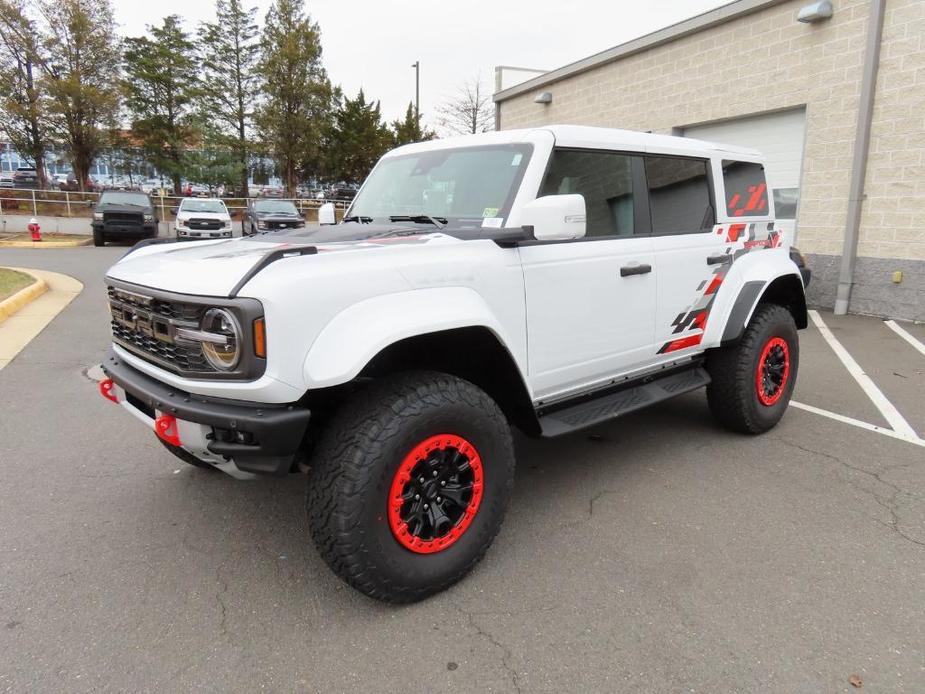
490,212
493,222
517,159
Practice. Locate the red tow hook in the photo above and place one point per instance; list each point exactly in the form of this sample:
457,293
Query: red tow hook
165,427
106,386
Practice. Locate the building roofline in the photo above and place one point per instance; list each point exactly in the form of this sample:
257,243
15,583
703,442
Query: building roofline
721,15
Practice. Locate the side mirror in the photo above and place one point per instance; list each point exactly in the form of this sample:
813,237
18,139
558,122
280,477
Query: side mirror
555,217
326,214
90,203
174,210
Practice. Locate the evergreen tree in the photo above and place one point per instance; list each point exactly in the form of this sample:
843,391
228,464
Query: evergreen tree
295,112
229,51
409,129
161,81
81,76
359,138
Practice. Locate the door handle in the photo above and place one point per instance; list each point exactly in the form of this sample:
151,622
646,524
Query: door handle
719,259
628,270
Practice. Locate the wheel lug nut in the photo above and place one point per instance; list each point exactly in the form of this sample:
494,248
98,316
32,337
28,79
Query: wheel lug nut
442,483
417,497
439,499
435,473
422,480
426,507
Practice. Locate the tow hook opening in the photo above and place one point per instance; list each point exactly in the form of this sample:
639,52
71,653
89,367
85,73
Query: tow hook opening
166,428
106,386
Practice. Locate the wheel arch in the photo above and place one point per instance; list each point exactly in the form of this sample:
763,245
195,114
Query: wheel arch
473,353
784,290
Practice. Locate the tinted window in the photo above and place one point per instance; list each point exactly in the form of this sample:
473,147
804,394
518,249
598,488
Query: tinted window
746,189
604,179
679,195
785,202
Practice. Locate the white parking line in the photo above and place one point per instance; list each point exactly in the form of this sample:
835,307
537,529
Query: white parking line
890,413
857,423
904,335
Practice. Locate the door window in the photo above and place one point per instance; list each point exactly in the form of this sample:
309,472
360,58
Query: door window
604,179
679,195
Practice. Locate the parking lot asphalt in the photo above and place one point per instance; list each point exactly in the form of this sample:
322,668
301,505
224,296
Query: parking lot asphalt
655,553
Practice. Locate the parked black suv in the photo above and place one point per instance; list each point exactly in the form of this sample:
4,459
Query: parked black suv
122,215
266,214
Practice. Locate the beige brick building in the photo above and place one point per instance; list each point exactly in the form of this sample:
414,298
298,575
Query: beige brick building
751,71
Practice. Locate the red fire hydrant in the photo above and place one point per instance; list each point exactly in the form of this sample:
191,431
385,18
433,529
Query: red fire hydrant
35,229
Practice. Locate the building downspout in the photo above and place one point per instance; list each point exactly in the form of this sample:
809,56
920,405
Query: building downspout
859,160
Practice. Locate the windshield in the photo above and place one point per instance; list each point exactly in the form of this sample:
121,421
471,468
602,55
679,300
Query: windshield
464,185
275,206
136,199
216,206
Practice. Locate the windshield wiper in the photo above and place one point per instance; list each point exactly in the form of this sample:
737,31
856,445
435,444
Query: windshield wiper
438,222
358,218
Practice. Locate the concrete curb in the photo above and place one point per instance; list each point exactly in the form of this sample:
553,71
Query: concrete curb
45,244
11,305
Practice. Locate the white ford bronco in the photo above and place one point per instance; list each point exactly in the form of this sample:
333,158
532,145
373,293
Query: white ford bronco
547,279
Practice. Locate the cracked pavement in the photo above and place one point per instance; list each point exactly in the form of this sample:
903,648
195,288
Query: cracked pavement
655,553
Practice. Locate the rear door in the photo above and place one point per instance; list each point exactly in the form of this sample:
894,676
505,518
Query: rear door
591,302
686,249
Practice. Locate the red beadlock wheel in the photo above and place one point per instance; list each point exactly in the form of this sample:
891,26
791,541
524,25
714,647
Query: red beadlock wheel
773,371
435,494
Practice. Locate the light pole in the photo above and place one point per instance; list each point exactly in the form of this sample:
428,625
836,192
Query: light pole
417,93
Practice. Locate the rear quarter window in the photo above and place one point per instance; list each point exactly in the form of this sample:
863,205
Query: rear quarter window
746,189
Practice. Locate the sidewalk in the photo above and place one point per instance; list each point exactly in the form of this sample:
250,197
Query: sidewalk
19,329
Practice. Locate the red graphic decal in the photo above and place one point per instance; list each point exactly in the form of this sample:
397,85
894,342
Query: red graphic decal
734,231
714,285
700,321
683,343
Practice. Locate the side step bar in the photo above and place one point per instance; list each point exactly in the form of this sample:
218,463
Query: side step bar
615,404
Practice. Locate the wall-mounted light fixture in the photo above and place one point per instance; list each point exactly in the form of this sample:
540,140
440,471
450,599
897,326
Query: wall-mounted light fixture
543,98
816,12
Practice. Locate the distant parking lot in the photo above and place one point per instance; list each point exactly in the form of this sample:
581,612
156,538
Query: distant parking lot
656,553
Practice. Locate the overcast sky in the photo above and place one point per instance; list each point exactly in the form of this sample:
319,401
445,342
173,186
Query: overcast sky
372,43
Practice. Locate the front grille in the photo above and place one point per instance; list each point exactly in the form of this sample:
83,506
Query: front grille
146,327
205,224
124,219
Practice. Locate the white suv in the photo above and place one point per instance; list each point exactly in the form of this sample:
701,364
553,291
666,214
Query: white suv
202,219
547,279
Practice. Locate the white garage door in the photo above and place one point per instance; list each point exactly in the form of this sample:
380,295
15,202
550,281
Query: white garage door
779,137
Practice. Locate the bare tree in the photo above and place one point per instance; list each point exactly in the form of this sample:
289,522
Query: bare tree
470,111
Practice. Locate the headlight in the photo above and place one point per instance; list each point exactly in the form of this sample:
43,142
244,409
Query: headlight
97,216
221,339
228,224
181,223
261,224
149,218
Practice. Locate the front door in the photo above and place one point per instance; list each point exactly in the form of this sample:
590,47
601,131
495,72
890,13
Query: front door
590,303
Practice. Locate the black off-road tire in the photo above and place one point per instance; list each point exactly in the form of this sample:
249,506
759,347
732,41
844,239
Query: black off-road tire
186,456
733,394
98,238
358,458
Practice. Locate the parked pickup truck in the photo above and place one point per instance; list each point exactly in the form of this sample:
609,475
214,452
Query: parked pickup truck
123,215
548,279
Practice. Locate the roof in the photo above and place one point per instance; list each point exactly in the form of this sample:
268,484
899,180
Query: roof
720,15
584,136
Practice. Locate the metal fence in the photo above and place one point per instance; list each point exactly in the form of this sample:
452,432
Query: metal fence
54,203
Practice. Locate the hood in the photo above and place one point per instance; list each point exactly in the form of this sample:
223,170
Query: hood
217,268
187,214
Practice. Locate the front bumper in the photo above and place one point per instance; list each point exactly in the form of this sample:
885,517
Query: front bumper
249,436
203,235
126,231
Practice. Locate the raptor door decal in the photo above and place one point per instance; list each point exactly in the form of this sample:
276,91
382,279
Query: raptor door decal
740,239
